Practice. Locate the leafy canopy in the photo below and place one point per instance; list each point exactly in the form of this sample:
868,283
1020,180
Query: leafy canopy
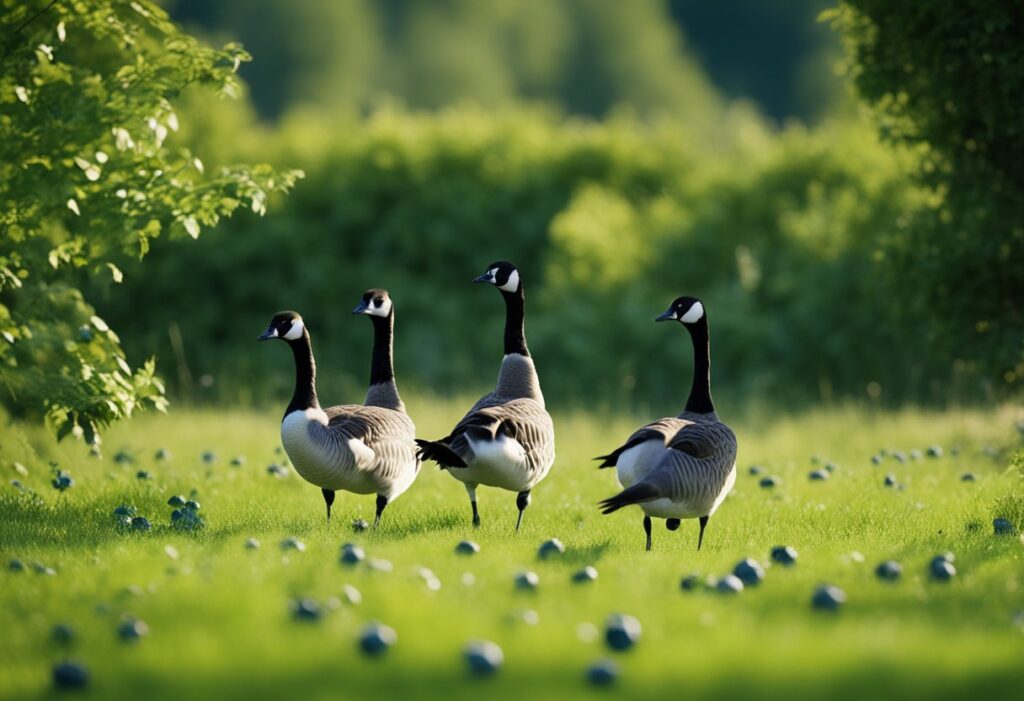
88,178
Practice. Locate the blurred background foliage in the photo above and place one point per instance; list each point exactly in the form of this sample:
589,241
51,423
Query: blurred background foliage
843,189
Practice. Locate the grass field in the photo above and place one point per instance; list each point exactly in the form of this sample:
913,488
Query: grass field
220,619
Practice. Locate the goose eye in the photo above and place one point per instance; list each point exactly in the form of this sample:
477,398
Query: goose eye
378,301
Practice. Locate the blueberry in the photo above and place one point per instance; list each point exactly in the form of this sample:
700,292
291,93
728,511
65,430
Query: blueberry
749,571
62,480
603,673
176,501
621,632
162,454
466,547
587,574
890,570
376,638
690,582
40,568
967,477
828,598
16,566
900,456
935,451
209,456
941,569
277,471
192,505
768,482
876,459
306,609
755,469
831,467
131,629
62,634
70,675
238,461
143,475
123,457
187,519
527,580
140,523
729,584
483,657
1002,526
818,475
916,454
293,543
550,548
351,554
890,480
359,525
124,510
784,555
252,544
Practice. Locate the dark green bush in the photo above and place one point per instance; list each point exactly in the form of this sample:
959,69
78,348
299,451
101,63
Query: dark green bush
783,235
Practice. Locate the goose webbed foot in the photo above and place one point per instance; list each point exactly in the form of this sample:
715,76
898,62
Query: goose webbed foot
703,523
522,501
382,502
476,515
329,500
647,530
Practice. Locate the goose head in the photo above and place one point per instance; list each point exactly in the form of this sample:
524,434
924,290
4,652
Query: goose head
375,302
286,326
502,275
685,310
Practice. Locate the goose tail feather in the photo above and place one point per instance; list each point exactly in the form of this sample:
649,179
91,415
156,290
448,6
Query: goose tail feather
637,494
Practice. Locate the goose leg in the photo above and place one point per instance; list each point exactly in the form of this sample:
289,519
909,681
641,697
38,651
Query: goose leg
522,501
329,499
382,501
647,530
703,522
471,490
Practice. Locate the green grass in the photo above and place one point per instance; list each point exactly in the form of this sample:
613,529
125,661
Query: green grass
219,618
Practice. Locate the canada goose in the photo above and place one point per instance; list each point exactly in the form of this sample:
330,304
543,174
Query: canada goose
682,467
362,448
507,439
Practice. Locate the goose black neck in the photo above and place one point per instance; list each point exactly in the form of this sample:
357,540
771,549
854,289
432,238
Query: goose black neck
305,376
700,391
382,367
515,334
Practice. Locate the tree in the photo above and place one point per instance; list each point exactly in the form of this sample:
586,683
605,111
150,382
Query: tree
946,77
88,178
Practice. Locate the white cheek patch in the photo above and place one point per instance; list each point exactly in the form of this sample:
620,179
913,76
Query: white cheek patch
295,332
513,282
383,310
695,313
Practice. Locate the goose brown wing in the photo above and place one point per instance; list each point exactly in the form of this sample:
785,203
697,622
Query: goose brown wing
696,467
387,433
523,420
662,429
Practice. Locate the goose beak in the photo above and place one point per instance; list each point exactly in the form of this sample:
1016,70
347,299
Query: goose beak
361,309
486,277
667,316
270,333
